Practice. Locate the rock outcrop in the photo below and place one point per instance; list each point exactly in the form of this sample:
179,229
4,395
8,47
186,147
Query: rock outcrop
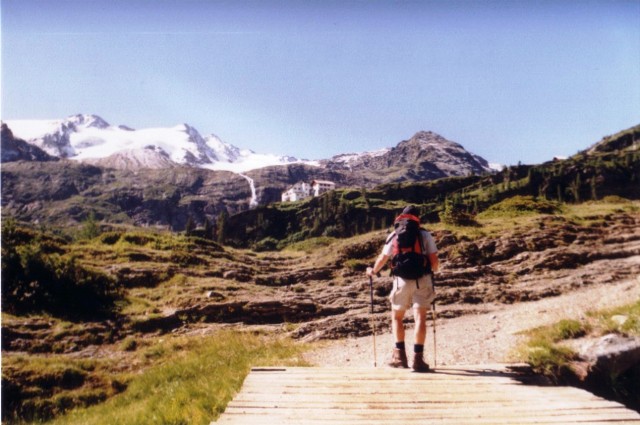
14,149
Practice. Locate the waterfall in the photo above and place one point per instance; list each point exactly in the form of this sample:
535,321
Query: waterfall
254,197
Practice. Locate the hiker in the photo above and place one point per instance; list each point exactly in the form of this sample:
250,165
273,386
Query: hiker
411,269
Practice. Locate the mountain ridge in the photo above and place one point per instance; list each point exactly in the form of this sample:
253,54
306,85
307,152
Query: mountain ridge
93,139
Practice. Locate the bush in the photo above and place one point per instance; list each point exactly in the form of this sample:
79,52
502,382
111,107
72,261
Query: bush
137,239
521,205
350,194
266,244
455,215
615,199
36,280
185,258
110,238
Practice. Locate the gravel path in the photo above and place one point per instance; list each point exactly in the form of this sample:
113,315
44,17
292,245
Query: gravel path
488,337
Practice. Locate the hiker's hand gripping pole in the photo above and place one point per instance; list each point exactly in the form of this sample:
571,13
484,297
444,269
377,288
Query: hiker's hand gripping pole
373,323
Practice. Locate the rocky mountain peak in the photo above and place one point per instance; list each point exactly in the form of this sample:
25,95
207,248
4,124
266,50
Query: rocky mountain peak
426,140
87,120
428,136
425,156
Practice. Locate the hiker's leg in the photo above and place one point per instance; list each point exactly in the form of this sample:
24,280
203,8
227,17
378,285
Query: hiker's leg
420,330
422,299
399,355
397,326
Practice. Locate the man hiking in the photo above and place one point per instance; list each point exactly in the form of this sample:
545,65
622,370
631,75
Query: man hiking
414,256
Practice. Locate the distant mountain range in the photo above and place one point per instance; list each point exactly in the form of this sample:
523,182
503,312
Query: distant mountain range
90,139
58,172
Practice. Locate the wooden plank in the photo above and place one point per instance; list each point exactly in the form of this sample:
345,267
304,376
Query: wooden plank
402,419
554,406
457,395
380,412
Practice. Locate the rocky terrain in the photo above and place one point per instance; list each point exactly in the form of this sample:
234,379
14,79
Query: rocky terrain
327,295
14,149
488,283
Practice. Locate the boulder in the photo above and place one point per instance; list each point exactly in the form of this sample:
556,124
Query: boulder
611,355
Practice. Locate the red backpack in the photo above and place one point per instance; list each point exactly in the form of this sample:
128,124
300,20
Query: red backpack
408,260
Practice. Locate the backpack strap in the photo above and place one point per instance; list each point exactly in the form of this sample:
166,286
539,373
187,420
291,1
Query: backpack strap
390,237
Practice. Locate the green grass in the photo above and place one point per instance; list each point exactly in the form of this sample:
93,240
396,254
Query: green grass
605,319
51,384
542,350
193,383
311,244
521,205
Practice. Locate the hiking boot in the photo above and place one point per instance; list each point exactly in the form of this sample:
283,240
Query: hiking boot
399,358
419,365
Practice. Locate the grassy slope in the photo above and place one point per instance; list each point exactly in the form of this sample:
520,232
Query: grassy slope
193,380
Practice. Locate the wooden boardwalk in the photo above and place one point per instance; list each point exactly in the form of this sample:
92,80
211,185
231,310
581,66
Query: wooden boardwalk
453,395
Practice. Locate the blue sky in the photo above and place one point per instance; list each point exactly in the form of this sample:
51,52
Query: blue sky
509,80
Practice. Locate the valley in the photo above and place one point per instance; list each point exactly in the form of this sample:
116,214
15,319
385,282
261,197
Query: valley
119,281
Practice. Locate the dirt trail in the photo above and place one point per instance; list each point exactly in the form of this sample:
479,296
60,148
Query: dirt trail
488,337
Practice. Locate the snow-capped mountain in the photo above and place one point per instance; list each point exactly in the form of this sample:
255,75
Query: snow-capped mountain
89,138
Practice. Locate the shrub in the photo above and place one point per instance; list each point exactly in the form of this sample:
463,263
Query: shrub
185,259
110,238
266,244
520,205
351,194
90,228
137,238
455,215
615,199
36,280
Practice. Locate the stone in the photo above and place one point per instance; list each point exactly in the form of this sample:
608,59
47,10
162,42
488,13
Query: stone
612,354
619,319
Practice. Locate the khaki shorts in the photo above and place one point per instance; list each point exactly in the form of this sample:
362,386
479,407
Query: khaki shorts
412,293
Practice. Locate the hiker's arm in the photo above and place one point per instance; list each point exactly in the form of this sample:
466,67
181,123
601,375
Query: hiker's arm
378,265
435,263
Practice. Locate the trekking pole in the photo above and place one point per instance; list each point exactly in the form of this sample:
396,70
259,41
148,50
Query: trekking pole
433,315
373,324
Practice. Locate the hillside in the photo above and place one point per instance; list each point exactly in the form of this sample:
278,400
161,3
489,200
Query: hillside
609,168
156,286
